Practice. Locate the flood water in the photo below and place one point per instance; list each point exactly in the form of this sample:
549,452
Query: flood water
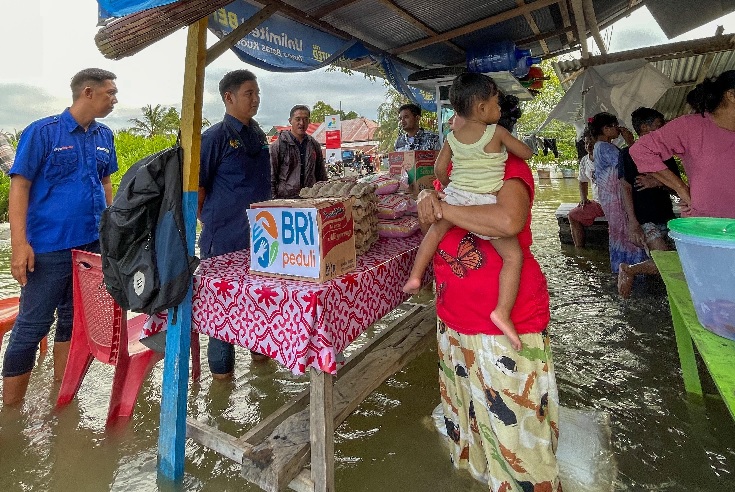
610,355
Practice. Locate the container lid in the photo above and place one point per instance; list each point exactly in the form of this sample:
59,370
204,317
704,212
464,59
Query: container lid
705,227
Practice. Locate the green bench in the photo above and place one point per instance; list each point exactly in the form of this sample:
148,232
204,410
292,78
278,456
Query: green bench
718,353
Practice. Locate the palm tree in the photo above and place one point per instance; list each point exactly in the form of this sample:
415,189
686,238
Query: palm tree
157,120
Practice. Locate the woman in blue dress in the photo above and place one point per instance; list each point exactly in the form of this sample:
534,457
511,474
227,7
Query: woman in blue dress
604,127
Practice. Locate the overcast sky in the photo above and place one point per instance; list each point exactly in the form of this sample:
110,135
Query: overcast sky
45,42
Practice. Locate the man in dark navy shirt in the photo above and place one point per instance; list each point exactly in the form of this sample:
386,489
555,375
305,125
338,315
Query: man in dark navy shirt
60,184
647,204
235,172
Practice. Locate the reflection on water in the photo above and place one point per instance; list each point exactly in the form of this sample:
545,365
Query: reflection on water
610,355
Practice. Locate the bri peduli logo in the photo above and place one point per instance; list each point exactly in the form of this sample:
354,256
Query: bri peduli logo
265,235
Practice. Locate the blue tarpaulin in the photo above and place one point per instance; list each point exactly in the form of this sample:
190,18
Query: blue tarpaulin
280,44
121,8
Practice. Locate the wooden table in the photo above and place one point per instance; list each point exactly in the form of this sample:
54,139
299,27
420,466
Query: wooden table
304,326
718,353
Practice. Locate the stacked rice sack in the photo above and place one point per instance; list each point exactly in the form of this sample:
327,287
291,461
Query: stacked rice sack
396,211
364,206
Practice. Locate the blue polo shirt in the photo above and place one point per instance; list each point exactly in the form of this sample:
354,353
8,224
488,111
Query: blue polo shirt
65,165
235,171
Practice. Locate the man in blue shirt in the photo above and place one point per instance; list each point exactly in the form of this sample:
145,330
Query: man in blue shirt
235,171
60,184
412,136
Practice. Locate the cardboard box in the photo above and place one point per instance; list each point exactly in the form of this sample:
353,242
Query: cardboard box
305,239
418,164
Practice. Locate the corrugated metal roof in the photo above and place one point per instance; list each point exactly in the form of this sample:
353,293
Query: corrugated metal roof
684,72
358,130
279,128
404,28
423,33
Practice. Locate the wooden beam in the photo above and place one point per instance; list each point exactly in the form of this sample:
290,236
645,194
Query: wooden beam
564,8
532,24
635,5
216,440
289,441
310,20
544,35
265,427
303,17
490,21
239,32
578,11
172,431
667,51
331,7
589,14
418,23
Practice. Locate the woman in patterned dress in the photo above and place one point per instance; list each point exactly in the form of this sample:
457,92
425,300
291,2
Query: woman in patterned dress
604,127
500,405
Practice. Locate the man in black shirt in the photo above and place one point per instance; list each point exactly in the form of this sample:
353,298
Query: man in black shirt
647,203
296,157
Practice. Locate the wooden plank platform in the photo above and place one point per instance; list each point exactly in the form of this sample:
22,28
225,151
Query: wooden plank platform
596,235
274,452
718,353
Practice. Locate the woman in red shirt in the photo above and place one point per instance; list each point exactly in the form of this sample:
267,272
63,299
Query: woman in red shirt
500,406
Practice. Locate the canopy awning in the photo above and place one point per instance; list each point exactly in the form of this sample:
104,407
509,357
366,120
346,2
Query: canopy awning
388,38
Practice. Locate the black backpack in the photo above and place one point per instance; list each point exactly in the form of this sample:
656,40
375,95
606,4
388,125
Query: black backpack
142,238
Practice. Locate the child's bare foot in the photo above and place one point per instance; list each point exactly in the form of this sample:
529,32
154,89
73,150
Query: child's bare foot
506,326
412,286
625,280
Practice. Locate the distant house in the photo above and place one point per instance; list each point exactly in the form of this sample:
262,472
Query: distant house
357,134
274,131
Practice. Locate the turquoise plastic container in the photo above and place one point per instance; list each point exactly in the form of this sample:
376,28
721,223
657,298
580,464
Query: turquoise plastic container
706,248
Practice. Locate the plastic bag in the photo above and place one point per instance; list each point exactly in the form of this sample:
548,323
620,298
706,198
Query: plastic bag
403,227
384,184
584,453
391,206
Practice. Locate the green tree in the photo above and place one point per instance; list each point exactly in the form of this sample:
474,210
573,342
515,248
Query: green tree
5,179
130,148
535,113
159,120
321,110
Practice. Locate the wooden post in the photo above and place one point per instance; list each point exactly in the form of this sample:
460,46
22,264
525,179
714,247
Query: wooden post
172,432
321,430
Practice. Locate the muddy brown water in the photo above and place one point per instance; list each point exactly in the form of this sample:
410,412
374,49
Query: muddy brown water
610,355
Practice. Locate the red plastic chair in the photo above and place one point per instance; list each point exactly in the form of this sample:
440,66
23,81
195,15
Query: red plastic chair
103,332
8,313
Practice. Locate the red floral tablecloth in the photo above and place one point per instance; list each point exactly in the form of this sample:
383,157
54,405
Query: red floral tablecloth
300,324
